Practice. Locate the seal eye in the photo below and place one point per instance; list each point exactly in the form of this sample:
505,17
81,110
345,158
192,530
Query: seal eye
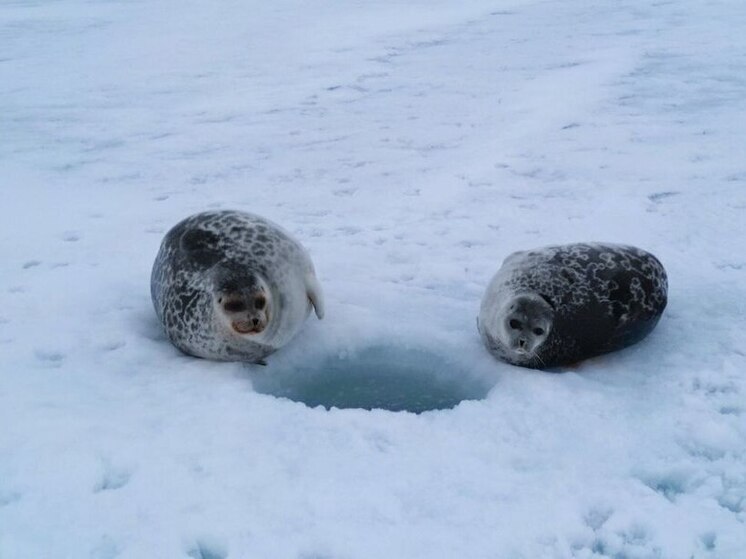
260,302
515,324
234,306
539,331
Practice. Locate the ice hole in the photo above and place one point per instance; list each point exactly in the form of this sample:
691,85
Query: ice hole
389,378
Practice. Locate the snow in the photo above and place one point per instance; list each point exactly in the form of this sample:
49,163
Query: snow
410,147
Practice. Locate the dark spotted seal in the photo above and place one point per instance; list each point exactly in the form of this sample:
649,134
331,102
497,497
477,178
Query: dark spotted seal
232,286
560,304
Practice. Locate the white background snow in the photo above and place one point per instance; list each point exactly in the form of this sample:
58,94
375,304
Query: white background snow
410,147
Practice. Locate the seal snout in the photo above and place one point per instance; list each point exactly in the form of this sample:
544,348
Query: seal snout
253,326
522,347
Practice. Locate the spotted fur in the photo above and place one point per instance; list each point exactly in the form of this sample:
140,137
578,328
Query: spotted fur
218,248
604,297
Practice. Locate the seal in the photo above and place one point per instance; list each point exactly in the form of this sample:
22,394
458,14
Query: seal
232,286
558,305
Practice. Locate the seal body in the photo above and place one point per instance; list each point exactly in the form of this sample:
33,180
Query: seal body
558,305
232,286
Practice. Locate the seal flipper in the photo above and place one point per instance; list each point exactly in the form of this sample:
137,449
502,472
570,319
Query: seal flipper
315,295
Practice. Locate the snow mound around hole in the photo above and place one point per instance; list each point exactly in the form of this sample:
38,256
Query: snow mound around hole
377,377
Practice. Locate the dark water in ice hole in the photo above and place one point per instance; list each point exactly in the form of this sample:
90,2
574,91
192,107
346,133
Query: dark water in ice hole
395,379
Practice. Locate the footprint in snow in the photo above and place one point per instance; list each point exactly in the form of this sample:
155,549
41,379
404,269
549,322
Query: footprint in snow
50,357
708,540
596,517
112,478
731,410
733,500
207,549
616,543
8,498
106,548
657,197
669,485
112,345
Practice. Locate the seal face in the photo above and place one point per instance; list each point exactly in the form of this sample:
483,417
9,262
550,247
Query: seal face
232,286
558,305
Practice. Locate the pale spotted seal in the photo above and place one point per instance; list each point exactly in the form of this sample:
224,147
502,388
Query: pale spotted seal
560,304
232,286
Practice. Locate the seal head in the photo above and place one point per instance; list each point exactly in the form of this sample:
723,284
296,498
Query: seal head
524,324
242,301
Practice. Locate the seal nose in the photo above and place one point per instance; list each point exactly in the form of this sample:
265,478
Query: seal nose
522,343
255,321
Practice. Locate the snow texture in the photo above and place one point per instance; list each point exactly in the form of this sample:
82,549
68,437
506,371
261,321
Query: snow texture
410,147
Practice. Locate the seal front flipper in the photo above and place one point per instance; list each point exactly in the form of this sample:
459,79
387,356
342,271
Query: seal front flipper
315,295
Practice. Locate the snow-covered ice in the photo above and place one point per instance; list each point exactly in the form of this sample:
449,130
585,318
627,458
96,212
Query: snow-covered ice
410,147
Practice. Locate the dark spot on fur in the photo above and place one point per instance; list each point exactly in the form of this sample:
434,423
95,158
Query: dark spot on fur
548,300
198,239
187,299
201,246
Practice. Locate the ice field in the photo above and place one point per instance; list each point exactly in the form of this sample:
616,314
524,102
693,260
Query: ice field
410,146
